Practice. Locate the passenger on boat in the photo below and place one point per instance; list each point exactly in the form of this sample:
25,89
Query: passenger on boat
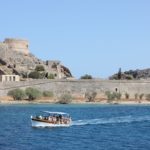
40,117
50,118
54,119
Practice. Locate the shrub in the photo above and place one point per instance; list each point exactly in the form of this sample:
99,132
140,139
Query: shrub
65,99
90,96
17,94
33,93
48,94
113,95
36,75
129,77
39,68
51,76
127,95
136,96
148,97
141,96
42,75
86,76
110,96
118,95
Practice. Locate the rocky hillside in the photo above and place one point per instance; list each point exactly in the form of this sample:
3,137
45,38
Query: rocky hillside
15,62
132,74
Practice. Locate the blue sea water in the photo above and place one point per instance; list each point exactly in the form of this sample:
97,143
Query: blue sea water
95,127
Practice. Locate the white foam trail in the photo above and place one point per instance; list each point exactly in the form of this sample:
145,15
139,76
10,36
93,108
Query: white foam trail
124,119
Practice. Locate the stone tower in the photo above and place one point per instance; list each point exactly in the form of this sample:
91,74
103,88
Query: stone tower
18,45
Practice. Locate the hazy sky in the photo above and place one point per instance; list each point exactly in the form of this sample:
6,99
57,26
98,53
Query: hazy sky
94,37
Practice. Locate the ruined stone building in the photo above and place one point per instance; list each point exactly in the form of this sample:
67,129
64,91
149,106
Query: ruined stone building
9,78
17,45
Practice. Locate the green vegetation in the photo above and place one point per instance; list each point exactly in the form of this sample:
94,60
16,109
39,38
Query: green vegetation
51,76
118,95
34,75
17,94
128,77
136,96
48,94
90,96
113,95
119,74
127,96
148,97
39,68
110,96
65,99
141,96
86,76
29,93
37,75
33,93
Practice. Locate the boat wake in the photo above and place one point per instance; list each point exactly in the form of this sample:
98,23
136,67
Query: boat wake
124,119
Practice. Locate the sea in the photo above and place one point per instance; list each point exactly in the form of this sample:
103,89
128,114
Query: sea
94,127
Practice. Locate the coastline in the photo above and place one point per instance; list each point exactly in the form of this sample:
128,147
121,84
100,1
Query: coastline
53,101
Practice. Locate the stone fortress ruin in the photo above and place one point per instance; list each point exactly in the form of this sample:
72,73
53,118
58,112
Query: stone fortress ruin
16,59
18,45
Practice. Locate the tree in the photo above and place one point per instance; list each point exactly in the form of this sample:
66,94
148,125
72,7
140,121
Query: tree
17,94
136,96
48,94
113,95
34,75
141,96
119,74
127,96
65,99
39,68
37,75
86,76
90,96
51,76
33,93
148,97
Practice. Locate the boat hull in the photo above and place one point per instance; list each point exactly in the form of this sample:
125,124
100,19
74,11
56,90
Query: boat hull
46,124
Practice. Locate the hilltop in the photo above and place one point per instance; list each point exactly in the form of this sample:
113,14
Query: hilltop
15,58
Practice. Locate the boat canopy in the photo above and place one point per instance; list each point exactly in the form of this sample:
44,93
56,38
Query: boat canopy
51,112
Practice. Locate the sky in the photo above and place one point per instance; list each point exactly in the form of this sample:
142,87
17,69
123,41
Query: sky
95,37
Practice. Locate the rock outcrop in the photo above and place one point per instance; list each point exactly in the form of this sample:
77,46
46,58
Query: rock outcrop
15,58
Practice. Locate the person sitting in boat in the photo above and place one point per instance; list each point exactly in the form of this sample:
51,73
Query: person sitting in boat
60,119
57,120
50,118
65,120
54,119
40,117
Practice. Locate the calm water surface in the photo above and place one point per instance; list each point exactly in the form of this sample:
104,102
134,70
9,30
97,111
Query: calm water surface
95,127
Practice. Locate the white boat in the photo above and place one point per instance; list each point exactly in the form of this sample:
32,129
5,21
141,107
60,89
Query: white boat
51,119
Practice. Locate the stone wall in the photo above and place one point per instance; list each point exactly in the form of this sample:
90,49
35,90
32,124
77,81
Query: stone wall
78,88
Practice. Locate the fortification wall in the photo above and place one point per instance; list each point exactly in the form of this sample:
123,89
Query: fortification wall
17,45
78,88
